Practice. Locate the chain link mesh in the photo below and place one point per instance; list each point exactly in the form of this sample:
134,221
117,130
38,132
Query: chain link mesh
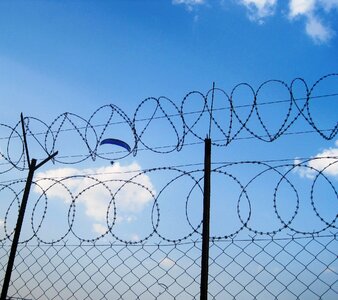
303,267
252,259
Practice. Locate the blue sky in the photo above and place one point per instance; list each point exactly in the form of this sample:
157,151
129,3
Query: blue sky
75,56
94,53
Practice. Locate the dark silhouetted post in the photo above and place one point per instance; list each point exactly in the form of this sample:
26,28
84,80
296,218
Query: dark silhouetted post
17,232
206,220
32,168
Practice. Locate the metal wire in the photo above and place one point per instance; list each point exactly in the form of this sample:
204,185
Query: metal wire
257,268
292,256
179,123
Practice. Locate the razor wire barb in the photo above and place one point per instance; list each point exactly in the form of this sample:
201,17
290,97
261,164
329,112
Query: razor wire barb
91,131
281,261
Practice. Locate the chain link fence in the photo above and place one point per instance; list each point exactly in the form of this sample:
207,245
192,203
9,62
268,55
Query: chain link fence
303,267
275,239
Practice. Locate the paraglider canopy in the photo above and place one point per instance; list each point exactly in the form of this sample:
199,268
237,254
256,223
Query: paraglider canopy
116,142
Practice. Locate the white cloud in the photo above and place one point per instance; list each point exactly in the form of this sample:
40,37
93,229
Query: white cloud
329,4
135,237
314,26
99,228
317,31
95,198
126,218
301,7
330,269
314,13
167,263
326,161
2,222
259,9
190,4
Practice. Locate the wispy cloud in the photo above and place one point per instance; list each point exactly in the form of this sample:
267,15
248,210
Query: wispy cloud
314,13
167,263
330,270
325,161
329,4
135,237
189,4
301,7
317,30
99,228
258,10
93,191
315,27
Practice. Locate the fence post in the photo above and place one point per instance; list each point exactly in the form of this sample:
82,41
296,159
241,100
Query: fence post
17,232
33,166
206,220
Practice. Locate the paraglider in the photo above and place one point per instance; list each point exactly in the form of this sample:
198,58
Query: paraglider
116,142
